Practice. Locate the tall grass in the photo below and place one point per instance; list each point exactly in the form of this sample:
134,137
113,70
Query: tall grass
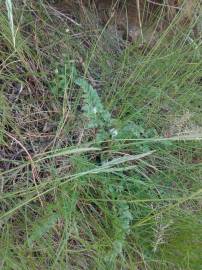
100,146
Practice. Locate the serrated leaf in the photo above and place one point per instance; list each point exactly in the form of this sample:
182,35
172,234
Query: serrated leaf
93,109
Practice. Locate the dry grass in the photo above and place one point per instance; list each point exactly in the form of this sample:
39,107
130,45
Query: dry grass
90,177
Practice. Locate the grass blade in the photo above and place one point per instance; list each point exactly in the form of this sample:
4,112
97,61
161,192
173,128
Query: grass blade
9,7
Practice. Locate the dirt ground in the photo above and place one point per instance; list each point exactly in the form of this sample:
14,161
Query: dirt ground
129,18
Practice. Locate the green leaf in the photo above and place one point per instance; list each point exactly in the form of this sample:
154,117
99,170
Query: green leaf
94,111
42,228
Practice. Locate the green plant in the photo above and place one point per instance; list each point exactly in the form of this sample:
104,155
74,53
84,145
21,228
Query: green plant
96,169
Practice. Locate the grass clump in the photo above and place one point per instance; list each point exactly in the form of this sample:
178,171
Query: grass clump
100,145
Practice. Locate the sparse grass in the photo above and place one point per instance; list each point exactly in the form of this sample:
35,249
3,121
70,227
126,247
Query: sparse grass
121,190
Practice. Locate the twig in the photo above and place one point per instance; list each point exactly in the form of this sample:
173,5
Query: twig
34,170
64,15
